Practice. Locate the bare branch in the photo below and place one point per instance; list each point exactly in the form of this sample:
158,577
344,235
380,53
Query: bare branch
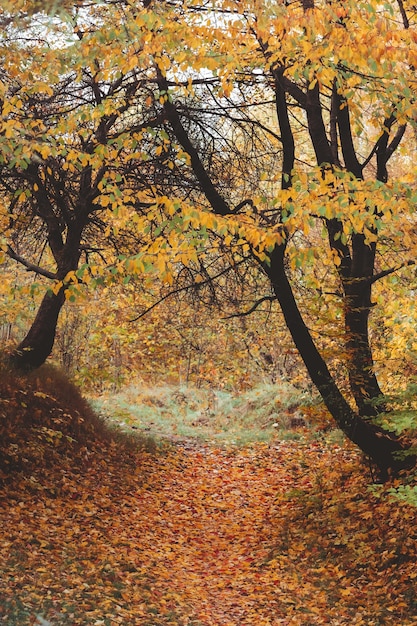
31,267
253,308
185,288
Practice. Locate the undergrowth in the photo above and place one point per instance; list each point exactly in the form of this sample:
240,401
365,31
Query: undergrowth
259,414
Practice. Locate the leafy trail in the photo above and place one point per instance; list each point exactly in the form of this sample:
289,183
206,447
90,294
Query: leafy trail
192,534
207,536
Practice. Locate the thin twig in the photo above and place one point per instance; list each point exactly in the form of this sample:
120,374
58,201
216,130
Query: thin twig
185,288
253,308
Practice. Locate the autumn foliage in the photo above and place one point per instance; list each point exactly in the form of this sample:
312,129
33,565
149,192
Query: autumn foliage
163,165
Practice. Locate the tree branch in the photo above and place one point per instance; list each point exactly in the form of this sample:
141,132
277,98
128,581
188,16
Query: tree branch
216,200
384,273
253,308
287,136
383,149
185,288
404,16
396,141
345,134
31,267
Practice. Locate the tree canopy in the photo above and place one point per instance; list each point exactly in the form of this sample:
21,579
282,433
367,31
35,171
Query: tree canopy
152,137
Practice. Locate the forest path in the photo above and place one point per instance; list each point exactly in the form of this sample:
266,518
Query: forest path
195,535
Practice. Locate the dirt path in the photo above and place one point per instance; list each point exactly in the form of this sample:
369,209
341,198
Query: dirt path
197,536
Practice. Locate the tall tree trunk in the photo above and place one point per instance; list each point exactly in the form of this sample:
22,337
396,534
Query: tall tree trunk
356,264
379,445
35,348
357,289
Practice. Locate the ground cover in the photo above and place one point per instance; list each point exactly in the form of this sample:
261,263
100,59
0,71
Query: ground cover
260,413
190,533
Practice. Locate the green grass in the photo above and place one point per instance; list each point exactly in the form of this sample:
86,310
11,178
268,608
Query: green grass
208,415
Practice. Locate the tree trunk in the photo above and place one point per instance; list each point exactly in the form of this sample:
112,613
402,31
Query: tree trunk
355,272
379,445
356,265
35,348
357,289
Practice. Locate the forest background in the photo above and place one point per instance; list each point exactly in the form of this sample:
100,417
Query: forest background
216,156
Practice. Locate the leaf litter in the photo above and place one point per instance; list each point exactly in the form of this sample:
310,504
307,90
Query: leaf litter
194,534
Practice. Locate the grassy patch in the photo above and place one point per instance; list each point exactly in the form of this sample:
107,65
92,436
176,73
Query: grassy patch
209,415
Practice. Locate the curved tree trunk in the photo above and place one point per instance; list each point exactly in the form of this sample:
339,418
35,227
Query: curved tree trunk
35,348
380,446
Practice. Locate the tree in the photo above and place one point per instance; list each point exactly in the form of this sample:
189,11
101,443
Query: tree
80,157
263,124
320,66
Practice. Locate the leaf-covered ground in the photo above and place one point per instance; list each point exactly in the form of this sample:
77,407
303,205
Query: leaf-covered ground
191,534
